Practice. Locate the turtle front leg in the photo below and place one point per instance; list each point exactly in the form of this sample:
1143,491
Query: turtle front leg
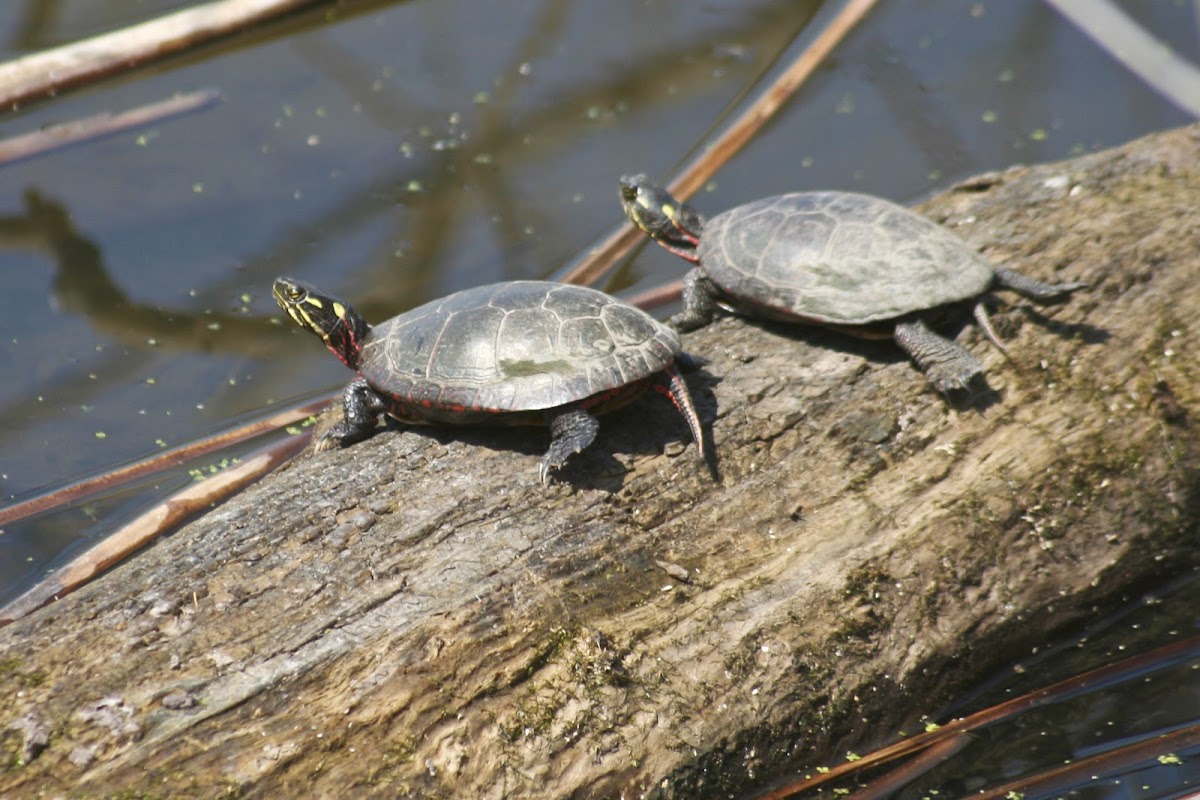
948,365
571,431
699,302
361,407
1036,290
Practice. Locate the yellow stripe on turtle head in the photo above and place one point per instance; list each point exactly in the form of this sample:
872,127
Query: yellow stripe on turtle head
305,320
339,309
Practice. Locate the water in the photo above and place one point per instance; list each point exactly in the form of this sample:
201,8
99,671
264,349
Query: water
410,149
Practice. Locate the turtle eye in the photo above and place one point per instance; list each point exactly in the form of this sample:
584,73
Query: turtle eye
295,293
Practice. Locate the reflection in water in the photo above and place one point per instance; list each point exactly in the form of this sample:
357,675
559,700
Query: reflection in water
83,286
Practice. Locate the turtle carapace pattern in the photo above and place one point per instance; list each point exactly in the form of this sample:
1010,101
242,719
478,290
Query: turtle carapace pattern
514,353
854,262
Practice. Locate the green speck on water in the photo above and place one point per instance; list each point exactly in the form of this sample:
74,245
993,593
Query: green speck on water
852,756
481,97
101,435
246,298
292,429
931,726
151,381
845,105
414,185
160,443
142,140
1038,135
1169,758
321,112
197,187
200,473
484,158
1006,76
989,116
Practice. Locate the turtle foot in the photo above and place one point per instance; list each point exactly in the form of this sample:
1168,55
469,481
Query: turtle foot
955,376
571,431
949,366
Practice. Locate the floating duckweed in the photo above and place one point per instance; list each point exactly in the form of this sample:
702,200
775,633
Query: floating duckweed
200,473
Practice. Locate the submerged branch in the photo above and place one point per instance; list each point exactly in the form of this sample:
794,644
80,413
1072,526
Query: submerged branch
1175,78
56,137
52,71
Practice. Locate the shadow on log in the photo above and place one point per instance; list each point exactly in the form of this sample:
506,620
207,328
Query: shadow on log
417,616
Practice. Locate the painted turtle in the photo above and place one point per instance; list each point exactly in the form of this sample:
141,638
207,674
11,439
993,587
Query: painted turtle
517,353
853,262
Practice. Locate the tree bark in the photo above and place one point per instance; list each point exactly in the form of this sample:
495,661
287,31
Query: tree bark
417,616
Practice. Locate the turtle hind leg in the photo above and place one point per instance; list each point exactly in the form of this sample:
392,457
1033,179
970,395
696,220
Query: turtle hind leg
699,302
948,365
570,432
676,389
1036,290
361,408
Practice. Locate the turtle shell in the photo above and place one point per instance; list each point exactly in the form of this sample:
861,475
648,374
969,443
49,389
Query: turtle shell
510,347
838,258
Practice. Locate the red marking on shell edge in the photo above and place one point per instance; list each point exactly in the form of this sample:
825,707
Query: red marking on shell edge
427,403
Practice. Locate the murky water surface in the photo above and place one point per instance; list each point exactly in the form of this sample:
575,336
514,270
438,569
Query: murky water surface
393,152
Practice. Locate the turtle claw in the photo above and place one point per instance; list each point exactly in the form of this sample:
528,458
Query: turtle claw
954,377
328,441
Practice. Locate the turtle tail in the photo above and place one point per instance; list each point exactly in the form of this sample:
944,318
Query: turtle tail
676,388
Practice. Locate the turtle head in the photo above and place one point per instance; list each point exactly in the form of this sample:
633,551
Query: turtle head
674,225
336,322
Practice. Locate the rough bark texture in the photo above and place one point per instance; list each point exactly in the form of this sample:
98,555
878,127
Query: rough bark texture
417,616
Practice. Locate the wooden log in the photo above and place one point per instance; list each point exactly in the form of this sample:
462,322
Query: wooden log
417,616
